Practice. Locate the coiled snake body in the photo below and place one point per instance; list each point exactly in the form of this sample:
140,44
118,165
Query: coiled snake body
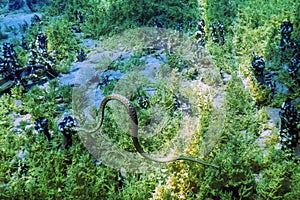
134,123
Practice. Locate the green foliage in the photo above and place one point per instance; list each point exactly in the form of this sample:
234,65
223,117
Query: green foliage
138,187
236,175
158,119
175,61
62,42
248,169
238,99
257,29
223,10
294,184
110,17
134,62
52,172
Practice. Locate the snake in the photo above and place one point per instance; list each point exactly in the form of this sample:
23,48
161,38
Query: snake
134,126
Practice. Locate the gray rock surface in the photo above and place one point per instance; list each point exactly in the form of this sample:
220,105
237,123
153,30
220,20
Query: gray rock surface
22,5
11,24
280,88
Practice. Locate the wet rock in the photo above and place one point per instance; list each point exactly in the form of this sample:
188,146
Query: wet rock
76,29
81,55
60,109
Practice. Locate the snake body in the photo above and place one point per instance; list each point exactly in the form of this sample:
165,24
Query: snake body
134,123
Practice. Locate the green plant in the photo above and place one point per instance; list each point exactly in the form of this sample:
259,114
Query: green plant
249,170
62,42
111,17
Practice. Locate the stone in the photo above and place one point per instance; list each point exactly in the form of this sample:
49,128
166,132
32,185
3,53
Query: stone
15,4
280,88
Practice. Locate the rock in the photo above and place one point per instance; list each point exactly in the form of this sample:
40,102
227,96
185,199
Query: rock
123,172
126,56
110,75
273,114
89,43
297,151
15,4
285,67
23,118
264,136
150,91
12,25
151,67
297,101
163,57
150,60
97,162
98,97
22,154
25,5
70,78
19,103
280,88
226,77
